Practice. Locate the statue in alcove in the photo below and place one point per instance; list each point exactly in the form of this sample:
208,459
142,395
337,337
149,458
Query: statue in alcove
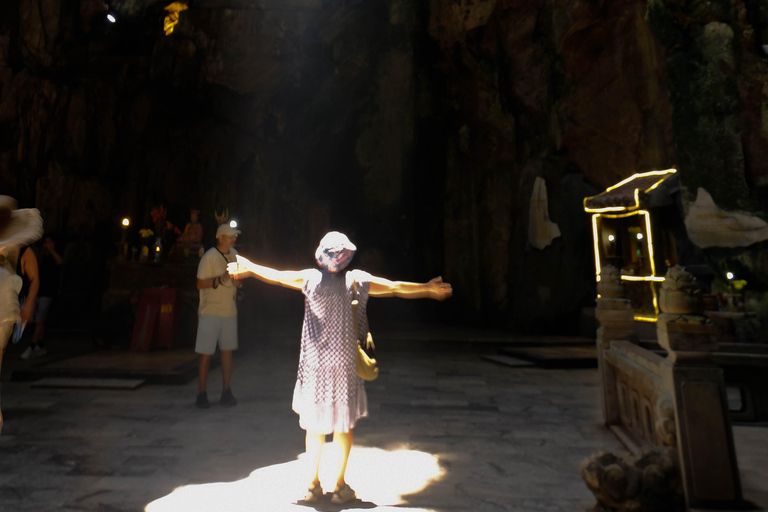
191,240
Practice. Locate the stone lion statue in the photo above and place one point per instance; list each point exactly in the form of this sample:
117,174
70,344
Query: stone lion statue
649,482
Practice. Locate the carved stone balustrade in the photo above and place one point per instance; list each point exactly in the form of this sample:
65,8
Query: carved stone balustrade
673,410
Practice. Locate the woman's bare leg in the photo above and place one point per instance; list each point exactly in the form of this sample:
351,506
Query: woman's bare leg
345,440
314,446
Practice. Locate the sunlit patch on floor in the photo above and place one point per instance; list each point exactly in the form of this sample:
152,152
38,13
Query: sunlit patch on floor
381,479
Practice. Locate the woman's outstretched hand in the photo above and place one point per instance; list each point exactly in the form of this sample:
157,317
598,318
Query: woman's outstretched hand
244,267
439,290
235,269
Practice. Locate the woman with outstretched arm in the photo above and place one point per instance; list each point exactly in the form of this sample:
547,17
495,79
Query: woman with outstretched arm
329,397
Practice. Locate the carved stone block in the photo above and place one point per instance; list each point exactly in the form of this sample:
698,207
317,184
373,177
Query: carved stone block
614,313
686,338
706,449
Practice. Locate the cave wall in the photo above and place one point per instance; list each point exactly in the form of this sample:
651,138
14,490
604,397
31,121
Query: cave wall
573,92
416,127
717,59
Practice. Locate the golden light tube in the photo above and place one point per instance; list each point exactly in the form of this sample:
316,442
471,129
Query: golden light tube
606,209
636,192
642,278
597,248
650,239
640,175
620,215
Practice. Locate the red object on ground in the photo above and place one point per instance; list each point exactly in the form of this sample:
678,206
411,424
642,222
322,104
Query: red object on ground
155,320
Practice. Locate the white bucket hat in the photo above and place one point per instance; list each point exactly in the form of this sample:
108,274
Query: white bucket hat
334,252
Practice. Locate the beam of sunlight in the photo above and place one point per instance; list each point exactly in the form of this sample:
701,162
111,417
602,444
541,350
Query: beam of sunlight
381,478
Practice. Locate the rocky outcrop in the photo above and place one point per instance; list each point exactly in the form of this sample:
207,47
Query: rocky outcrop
559,92
614,118
714,66
709,226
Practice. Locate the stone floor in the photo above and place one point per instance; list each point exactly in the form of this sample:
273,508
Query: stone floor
448,431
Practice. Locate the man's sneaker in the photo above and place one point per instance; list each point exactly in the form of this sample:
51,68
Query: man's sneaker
202,400
27,353
34,350
227,398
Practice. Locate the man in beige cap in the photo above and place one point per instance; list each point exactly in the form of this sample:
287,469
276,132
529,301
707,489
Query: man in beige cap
17,228
217,313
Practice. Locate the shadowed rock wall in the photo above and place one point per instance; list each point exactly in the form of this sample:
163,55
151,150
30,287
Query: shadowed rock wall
418,128
572,92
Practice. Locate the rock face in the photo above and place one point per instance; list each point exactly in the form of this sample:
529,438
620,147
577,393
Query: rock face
419,128
710,226
714,63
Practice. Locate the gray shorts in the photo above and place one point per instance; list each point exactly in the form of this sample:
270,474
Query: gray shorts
212,329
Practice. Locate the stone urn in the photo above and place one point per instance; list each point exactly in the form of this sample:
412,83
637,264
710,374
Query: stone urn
680,295
610,286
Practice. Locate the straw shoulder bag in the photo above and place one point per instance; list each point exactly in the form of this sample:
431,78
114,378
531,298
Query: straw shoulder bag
366,366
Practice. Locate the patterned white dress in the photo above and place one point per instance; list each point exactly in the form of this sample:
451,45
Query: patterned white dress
329,396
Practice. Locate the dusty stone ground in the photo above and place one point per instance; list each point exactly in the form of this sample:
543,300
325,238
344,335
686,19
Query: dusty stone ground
447,431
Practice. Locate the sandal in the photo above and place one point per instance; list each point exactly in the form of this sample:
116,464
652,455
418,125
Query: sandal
314,493
343,494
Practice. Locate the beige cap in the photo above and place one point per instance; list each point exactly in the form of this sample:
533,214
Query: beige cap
225,229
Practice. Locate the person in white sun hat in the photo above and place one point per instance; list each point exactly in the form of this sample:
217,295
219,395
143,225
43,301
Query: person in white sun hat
217,313
17,228
329,396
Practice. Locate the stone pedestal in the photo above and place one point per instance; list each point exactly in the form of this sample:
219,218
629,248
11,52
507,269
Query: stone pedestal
616,317
705,440
687,338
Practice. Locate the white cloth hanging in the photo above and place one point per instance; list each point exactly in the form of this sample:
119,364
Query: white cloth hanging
541,230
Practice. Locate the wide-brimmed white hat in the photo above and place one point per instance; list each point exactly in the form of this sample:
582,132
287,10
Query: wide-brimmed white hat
18,227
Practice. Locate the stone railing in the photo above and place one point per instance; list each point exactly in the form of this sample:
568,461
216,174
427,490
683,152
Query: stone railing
640,409
673,410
